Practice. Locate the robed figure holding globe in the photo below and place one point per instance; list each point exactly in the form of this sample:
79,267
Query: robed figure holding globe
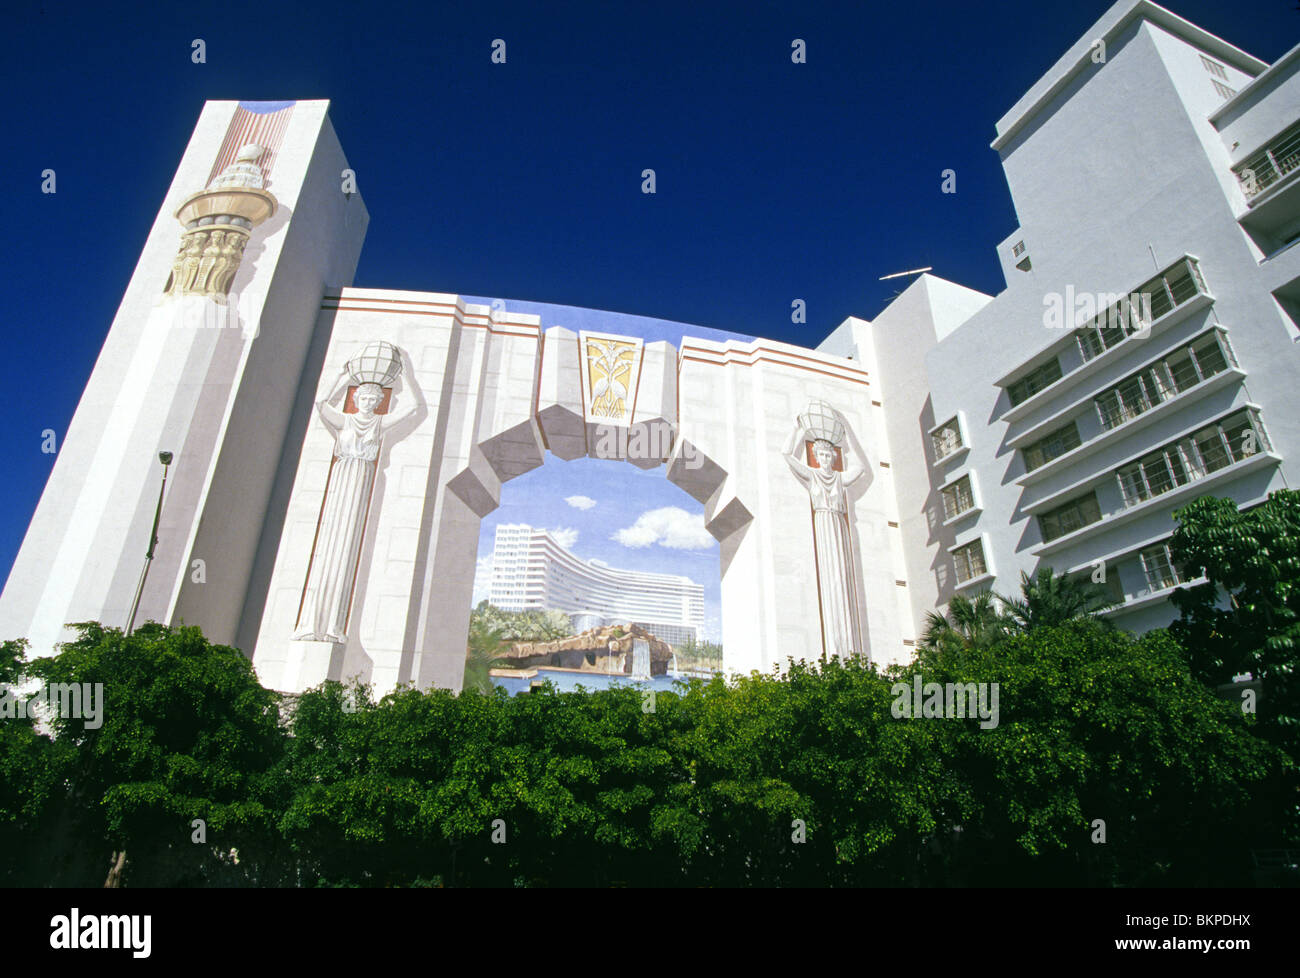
837,589
358,437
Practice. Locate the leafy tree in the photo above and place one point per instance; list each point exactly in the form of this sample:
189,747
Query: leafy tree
416,787
1096,724
1245,617
808,777
186,733
970,623
31,764
1048,599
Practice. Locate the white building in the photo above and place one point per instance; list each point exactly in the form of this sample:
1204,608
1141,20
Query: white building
531,571
978,437
1152,159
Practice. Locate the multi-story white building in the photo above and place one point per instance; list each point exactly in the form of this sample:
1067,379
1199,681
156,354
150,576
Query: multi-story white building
336,453
1060,424
532,571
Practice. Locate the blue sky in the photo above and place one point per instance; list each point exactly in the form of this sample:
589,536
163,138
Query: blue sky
775,181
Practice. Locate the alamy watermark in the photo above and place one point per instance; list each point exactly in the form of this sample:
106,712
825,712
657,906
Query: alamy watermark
98,932
1106,310
946,701
68,701
237,311
651,442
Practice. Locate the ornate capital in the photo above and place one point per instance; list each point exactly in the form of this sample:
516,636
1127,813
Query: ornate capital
217,222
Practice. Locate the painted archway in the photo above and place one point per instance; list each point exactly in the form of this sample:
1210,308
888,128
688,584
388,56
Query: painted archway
499,390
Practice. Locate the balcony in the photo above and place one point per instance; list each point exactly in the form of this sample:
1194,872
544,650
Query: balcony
1269,182
1147,598
1176,293
1137,422
1225,442
1202,435
1267,170
1192,371
1188,490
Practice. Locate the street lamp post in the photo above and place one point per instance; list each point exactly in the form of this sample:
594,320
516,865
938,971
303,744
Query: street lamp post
166,459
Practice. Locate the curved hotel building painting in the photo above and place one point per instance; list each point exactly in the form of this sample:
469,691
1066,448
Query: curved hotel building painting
532,572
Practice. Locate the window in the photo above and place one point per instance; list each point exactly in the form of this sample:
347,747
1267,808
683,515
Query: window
1153,475
1114,324
1136,311
957,498
947,440
1184,368
1018,250
969,561
1109,591
1034,381
1053,445
1214,68
1214,447
1199,361
1074,515
1159,567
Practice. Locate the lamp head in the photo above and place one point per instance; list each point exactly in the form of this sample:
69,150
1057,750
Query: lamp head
165,458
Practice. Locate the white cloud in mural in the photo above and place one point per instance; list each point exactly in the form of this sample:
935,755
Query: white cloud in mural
668,526
482,579
566,536
580,502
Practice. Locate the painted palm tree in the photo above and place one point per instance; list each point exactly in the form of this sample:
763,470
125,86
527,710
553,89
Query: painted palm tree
1049,599
486,645
970,623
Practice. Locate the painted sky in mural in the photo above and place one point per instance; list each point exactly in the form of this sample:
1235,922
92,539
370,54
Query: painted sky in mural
607,510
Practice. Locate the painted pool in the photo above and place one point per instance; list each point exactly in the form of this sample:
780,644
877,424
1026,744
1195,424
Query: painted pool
566,681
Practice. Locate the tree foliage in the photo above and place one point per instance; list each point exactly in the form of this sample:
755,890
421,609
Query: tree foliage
1098,725
187,733
1245,617
971,622
1109,760
803,778
1048,599
521,626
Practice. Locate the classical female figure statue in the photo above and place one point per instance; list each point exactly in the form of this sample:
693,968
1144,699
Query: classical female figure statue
357,440
832,535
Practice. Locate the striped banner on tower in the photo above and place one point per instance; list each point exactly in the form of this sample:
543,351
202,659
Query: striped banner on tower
255,122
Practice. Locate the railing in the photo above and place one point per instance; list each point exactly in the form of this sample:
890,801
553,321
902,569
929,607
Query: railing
1271,165
1159,568
969,561
958,498
1202,453
1164,380
1134,313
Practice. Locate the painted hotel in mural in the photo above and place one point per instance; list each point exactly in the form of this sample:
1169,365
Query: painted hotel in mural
532,571
336,447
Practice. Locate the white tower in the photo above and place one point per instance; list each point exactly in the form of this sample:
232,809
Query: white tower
204,359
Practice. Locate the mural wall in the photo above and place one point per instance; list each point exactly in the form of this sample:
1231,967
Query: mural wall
776,444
